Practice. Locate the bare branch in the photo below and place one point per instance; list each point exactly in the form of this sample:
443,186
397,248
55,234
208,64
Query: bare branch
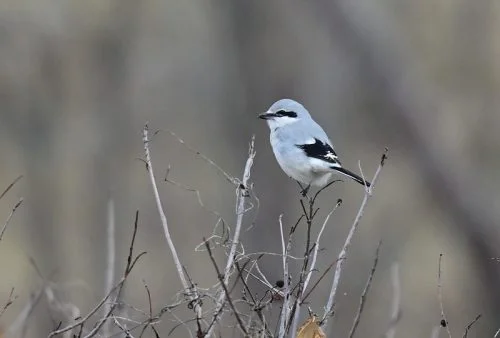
159,206
226,291
444,321
21,322
300,300
110,269
10,186
131,261
364,294
190,189
242,194
9,302
286,286
470,325
228,177
18,204
316,245
319,280
343,253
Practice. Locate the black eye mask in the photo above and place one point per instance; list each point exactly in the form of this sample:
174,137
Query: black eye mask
286,113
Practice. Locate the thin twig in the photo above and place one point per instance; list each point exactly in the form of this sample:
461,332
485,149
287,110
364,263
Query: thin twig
300,299
65,310
18,204
343,253
159,206
470,325
190,189
10,186
364,294
191,293
226,291
396,302
22,320
316,246
131,261
121,327
319,280
242,194
110,269
440,296
286,281
9,302
256,306
497,334
228,177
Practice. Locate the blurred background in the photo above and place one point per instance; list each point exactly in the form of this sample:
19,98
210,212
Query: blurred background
78,80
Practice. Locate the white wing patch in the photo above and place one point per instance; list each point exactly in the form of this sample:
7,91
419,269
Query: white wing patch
331,156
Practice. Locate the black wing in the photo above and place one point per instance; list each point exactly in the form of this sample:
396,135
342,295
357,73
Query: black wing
321,150
325,152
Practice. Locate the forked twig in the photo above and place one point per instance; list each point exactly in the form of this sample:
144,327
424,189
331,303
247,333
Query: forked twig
343,253
242,194
131,261
316,245
226,291
163,217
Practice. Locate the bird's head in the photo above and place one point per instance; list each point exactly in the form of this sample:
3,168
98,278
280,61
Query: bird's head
284,112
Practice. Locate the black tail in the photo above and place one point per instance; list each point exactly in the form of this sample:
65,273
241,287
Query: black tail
352,175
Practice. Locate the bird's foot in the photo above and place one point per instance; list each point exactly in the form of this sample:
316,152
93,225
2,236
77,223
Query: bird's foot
305,191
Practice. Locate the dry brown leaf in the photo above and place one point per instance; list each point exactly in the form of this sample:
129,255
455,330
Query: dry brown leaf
311,329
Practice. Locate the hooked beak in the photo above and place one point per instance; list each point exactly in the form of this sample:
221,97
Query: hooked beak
267,115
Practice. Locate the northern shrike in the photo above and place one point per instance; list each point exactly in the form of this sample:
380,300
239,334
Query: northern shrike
301,146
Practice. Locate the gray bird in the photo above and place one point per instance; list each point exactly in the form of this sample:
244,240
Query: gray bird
301,146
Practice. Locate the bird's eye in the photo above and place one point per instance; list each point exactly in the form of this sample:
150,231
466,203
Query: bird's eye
286,113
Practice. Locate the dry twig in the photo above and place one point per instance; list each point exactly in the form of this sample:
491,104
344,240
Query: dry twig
242,194
226,291
163,217
131,261
10,186
9,302
343,253
110,269
17,205
364,294
444,321
470,325
302,289
286,280
21,321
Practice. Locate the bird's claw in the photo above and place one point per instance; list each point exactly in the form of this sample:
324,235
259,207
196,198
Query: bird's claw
305,191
